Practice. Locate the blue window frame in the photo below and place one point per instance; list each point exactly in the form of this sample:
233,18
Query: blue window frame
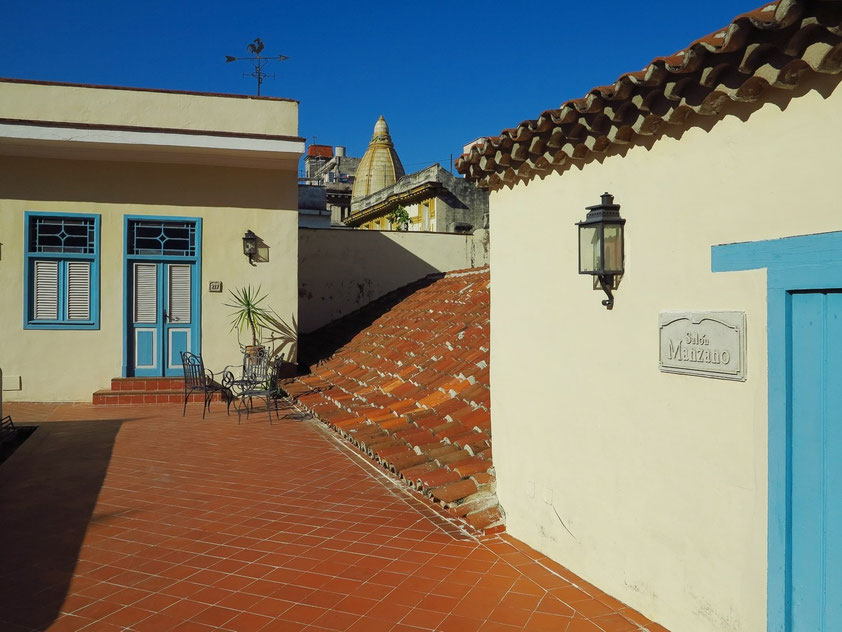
61,271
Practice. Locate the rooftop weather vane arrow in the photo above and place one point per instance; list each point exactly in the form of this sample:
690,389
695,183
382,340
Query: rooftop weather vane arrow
260,62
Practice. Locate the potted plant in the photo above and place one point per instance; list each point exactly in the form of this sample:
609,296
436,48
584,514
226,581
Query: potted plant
264,325
248,312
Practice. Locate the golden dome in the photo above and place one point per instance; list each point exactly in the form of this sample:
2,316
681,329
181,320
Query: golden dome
380,166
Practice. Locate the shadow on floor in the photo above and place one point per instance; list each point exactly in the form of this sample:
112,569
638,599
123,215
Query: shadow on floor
48,490
325,341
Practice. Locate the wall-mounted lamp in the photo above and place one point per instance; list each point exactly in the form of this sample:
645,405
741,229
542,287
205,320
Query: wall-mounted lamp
250,246
601,244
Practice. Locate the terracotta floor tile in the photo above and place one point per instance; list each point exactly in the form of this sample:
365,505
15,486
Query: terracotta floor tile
185,609
615,623
301,613
582,625
214,615
335,620
544,622
370,624
510,616
193,626
422,618
591,608
239,601
389,611
248,622
438,603
255,527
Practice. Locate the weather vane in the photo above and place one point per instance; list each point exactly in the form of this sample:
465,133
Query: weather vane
260,62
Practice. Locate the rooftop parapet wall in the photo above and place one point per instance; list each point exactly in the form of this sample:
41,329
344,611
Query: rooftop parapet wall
340,271
134,107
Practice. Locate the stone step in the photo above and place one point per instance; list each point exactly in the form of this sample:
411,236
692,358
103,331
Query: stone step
158,396
146,383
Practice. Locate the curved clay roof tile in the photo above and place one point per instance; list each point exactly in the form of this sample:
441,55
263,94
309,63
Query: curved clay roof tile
775,45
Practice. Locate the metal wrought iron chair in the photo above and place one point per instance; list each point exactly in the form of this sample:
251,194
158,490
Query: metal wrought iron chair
268,389
254,370
199,379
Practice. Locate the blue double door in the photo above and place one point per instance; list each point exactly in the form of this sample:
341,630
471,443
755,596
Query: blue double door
815,447
162,316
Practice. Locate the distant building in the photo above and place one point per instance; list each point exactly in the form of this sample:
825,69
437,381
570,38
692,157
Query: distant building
325,188
434,199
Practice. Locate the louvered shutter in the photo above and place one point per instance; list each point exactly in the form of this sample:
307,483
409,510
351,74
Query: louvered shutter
45,295
145,293
179,311
78,290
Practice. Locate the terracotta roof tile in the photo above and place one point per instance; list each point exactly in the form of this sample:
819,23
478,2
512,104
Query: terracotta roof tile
455,491
773,46
409,378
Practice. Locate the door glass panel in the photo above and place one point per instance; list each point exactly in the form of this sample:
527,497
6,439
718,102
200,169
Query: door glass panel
145,293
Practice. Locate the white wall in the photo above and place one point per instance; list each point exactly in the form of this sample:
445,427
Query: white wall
652,486
339,271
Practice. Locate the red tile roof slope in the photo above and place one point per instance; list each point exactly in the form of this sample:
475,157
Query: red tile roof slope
411,390
775,45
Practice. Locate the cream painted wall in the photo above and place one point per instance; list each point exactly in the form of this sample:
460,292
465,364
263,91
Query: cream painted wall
146,108
652,486
342,270
66,365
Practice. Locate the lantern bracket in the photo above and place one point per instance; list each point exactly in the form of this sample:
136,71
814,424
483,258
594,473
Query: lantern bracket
606,281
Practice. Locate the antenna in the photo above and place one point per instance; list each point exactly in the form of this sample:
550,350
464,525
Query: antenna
260,62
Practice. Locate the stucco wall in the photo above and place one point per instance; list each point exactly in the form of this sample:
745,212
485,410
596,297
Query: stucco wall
64,365
653,486
342,270
113,106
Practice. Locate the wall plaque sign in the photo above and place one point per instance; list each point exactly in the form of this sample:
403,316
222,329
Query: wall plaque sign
214,286
706,344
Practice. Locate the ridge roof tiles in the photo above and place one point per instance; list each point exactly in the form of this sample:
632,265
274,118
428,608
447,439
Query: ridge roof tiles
405,379
775,45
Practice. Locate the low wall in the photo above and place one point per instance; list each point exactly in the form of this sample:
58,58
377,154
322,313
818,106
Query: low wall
339,271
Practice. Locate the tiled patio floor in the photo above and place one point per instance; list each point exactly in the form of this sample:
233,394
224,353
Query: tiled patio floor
134,518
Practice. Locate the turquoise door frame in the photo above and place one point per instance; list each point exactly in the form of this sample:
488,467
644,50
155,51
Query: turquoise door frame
163,337
806,263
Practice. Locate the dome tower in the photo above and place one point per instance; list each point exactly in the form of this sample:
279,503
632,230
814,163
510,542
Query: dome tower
380,166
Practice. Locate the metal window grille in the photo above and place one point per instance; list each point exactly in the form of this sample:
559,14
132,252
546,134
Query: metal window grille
162,238
69,235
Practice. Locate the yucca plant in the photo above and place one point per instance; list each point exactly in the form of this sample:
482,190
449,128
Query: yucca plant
247,311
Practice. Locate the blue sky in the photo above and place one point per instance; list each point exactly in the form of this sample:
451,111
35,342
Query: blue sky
442,73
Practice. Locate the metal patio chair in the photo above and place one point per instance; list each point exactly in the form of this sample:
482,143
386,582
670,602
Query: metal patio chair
254,370
268,389
199,379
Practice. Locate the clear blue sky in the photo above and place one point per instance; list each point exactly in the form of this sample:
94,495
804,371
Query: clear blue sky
442,73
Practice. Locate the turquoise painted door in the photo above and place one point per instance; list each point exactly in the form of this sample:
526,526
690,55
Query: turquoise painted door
162,316
815,578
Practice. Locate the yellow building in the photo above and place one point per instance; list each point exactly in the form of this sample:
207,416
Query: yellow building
702,488
122,213
434,200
